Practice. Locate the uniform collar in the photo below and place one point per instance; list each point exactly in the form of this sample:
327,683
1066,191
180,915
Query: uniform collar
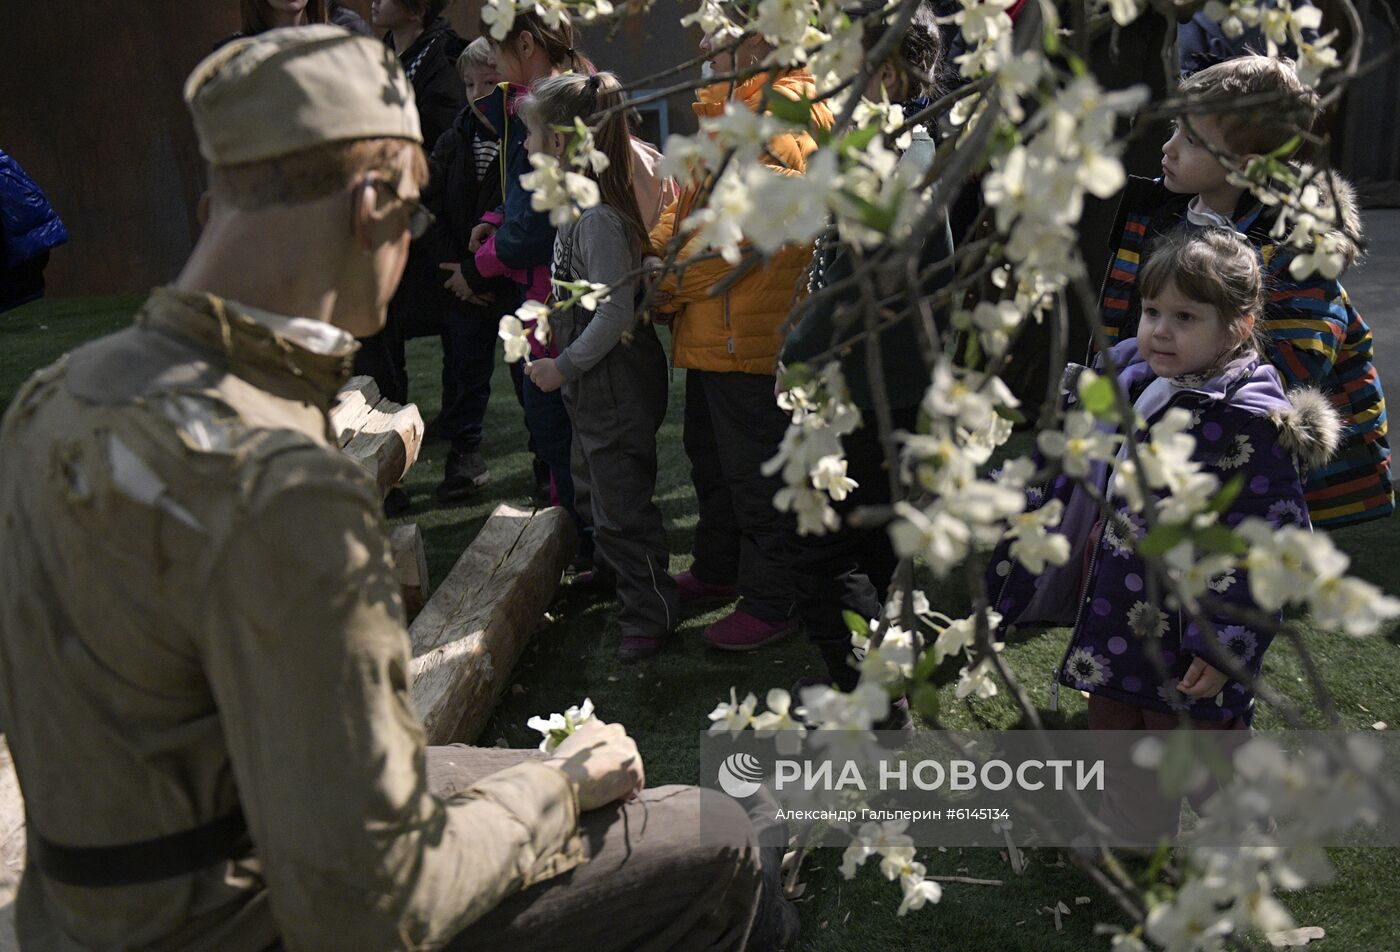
289,347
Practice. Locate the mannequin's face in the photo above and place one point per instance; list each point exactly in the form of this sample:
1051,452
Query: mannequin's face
380,251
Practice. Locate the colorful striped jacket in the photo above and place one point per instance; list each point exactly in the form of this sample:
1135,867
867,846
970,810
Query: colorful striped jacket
1316,338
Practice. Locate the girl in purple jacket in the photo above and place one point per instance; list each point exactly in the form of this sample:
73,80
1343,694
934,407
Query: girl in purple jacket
1195,350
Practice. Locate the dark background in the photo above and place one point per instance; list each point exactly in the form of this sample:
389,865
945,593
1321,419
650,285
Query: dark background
90,105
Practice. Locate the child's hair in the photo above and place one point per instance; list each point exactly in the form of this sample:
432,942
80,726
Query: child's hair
556,41
1260,127
556,100
920,51
477,55
1215,266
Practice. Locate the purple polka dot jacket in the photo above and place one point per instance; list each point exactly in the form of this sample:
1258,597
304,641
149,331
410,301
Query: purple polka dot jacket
1244,426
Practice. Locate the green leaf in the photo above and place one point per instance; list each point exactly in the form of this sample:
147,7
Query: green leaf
1218,538
1010,413
858,139
925,700
796,375
1224,499
926,665
872,216
1161,539
798,112
1287,149
856,624
1098,398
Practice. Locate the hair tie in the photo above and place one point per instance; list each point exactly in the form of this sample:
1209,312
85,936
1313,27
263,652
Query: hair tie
593,82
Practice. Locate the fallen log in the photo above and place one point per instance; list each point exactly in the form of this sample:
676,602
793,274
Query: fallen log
411,567
380,435
353,405
472,631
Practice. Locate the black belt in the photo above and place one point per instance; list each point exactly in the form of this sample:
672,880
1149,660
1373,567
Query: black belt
146,861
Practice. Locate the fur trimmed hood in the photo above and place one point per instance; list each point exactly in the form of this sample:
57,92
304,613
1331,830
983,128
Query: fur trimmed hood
1310,429
1336,192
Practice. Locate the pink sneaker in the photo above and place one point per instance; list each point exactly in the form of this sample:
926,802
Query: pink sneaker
693,591
740,631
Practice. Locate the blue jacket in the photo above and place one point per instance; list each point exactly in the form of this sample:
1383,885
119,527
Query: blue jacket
525,239
1243,426
29,226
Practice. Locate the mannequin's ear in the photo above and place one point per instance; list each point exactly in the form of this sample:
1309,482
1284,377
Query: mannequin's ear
363,215
202,210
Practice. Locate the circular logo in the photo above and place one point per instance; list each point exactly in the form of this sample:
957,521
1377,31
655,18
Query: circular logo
740,775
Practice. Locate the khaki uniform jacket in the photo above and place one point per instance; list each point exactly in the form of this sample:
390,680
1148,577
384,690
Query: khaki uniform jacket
197,614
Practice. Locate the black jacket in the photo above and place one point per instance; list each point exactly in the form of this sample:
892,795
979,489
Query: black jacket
430,61
458,197
431,65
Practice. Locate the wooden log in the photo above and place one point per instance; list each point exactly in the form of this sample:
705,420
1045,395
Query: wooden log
411,567
353,406
473,630
387,444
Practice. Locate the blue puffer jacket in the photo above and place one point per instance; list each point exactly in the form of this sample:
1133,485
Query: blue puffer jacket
29,225
1244,425
1202,42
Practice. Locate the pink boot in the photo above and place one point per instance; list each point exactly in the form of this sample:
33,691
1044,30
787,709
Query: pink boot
740,631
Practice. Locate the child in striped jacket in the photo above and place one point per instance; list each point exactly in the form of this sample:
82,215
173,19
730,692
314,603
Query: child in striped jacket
1314,335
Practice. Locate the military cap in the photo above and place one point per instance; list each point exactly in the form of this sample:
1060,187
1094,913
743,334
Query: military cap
288,90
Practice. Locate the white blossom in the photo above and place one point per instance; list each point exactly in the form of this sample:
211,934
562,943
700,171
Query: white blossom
1079,445
557,727
734,716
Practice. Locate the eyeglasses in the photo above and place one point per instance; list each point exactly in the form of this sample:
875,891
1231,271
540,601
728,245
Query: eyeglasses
419,218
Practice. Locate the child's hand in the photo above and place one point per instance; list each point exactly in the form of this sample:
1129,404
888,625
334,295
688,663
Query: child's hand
479,235
1201,680
651,264
545,375
458,285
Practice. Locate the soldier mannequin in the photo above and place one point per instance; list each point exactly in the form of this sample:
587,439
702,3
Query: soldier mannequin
203,664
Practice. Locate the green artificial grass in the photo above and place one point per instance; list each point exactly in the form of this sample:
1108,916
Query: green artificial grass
664,703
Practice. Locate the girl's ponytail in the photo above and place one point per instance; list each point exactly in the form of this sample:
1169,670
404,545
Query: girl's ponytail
557,100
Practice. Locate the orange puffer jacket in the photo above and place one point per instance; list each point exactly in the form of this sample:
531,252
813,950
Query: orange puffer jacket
737,330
